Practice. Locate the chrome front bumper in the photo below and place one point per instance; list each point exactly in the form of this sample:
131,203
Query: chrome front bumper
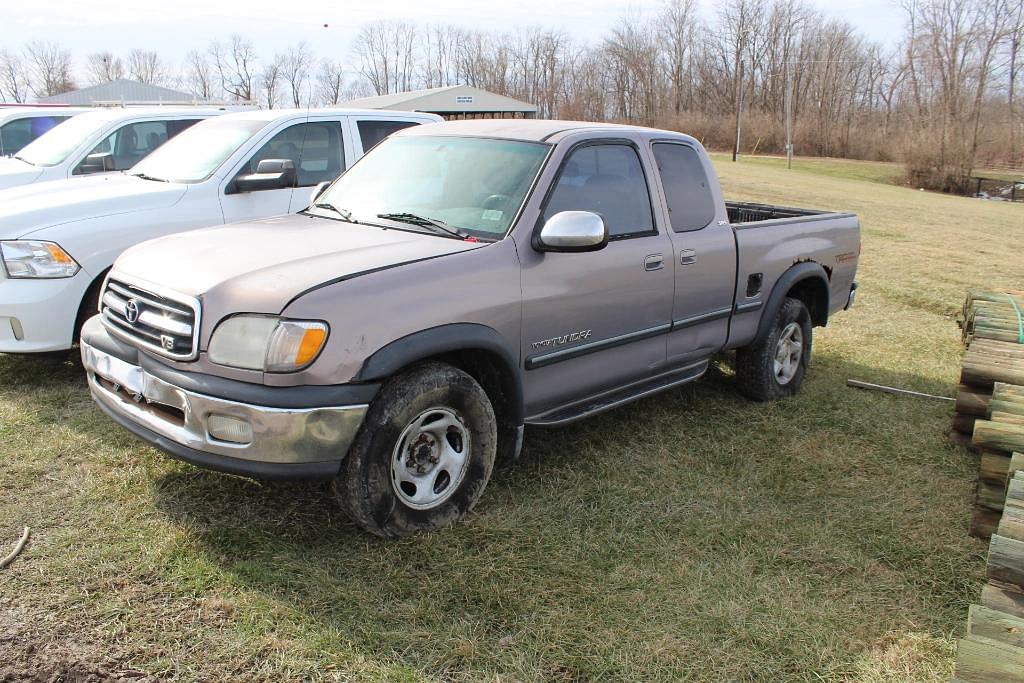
161,412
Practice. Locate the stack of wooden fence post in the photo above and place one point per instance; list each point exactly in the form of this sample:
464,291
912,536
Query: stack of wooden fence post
993,649
990,402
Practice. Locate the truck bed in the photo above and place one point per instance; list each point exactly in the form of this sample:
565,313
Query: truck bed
741,213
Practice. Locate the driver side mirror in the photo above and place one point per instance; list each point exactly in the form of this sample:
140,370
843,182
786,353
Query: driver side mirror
317,191
569,231
102,162
271,174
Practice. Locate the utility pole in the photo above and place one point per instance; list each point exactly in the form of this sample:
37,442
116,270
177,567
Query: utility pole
789,117
739,109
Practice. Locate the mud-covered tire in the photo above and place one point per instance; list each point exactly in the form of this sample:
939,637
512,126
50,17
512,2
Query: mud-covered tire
757,373
364,486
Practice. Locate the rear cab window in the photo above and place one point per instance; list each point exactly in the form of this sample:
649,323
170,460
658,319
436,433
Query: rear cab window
687,190
372,131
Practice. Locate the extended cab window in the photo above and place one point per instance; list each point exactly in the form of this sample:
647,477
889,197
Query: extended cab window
687,192
608,180
372,131
315,148
129,144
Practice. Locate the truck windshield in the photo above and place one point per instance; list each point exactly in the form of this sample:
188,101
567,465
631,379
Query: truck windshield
194,154
57,145
476,184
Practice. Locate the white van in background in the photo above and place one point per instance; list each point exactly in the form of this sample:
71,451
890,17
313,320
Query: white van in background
20,125
98,141
58,239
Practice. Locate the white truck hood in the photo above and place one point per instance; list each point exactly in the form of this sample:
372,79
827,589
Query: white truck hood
29,209
14,173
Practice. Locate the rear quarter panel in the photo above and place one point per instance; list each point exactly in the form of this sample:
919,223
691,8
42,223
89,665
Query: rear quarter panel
773,247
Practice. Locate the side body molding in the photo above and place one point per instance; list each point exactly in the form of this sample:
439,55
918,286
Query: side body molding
799,272
436,341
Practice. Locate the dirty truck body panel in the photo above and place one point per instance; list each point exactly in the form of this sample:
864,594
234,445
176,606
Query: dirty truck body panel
564,334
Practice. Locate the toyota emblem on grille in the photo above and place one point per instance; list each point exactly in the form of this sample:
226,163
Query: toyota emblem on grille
131,311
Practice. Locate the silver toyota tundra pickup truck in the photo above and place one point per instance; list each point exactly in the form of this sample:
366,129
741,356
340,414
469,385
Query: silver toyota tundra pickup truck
462,280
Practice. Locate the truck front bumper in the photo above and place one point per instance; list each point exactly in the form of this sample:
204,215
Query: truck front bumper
39,315
230,436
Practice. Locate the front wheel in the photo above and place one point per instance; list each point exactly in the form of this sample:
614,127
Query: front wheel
423,455
775,367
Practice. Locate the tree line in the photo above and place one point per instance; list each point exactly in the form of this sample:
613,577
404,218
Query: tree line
944,98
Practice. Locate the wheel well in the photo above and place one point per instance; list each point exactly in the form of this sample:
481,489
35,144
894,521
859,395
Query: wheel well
494,375
814,293
87,298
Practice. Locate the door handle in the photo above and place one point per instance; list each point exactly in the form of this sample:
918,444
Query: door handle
687,257
654,262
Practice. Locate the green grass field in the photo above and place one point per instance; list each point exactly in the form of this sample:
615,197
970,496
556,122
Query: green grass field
690,536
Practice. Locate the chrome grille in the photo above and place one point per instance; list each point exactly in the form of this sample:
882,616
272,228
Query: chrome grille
164,322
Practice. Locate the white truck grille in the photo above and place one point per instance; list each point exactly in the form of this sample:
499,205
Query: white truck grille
166,323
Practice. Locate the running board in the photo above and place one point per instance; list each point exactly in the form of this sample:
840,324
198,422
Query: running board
618,397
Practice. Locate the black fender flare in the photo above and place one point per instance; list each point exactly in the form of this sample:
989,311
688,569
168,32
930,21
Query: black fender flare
435,341
797,273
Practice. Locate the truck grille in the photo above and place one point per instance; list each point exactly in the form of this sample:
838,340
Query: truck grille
165,323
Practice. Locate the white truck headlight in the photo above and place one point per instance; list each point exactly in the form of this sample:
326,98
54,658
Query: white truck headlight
267,343
35,259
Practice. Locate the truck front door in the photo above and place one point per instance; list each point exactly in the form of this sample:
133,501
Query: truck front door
597,320
704,255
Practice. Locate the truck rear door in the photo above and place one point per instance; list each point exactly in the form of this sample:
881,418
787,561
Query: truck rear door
704,254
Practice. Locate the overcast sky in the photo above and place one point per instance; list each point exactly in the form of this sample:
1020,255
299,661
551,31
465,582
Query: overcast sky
173,27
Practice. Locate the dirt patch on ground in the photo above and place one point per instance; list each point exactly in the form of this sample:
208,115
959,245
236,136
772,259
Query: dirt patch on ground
36,653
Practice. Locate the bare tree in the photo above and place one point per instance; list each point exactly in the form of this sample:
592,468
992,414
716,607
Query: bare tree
49,68
330,82
236,66
198,75
146,66
295,71
387,55
270,80
13,77
677,28
103,67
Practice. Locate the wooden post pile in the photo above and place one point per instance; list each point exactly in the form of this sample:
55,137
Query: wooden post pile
993,649
989,416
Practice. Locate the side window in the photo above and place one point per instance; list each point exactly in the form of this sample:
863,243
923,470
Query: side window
372,131
128,145
687,192
315,148
608,180
20,132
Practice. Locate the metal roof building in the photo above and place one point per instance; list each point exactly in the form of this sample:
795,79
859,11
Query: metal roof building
121,91
452,102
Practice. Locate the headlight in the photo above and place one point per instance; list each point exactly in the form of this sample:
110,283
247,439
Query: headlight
268,343
31,259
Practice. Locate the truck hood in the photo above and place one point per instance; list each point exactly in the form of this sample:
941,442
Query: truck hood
26,209
14,173
260,266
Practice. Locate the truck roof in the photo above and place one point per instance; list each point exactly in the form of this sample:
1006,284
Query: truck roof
274,114
533,130
119,113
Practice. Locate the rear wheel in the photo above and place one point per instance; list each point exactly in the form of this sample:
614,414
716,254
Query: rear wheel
423,455
775,367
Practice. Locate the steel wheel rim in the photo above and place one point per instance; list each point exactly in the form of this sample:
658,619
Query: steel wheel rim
430,458
789,352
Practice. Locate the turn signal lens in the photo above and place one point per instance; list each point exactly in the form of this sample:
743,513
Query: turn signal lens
294,345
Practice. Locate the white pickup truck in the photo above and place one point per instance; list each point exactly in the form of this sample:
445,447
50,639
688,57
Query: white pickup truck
101,141
20,125
58,240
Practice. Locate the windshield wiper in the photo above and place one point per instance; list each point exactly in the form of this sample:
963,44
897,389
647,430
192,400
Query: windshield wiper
438,226
145,176
344,213
23,159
